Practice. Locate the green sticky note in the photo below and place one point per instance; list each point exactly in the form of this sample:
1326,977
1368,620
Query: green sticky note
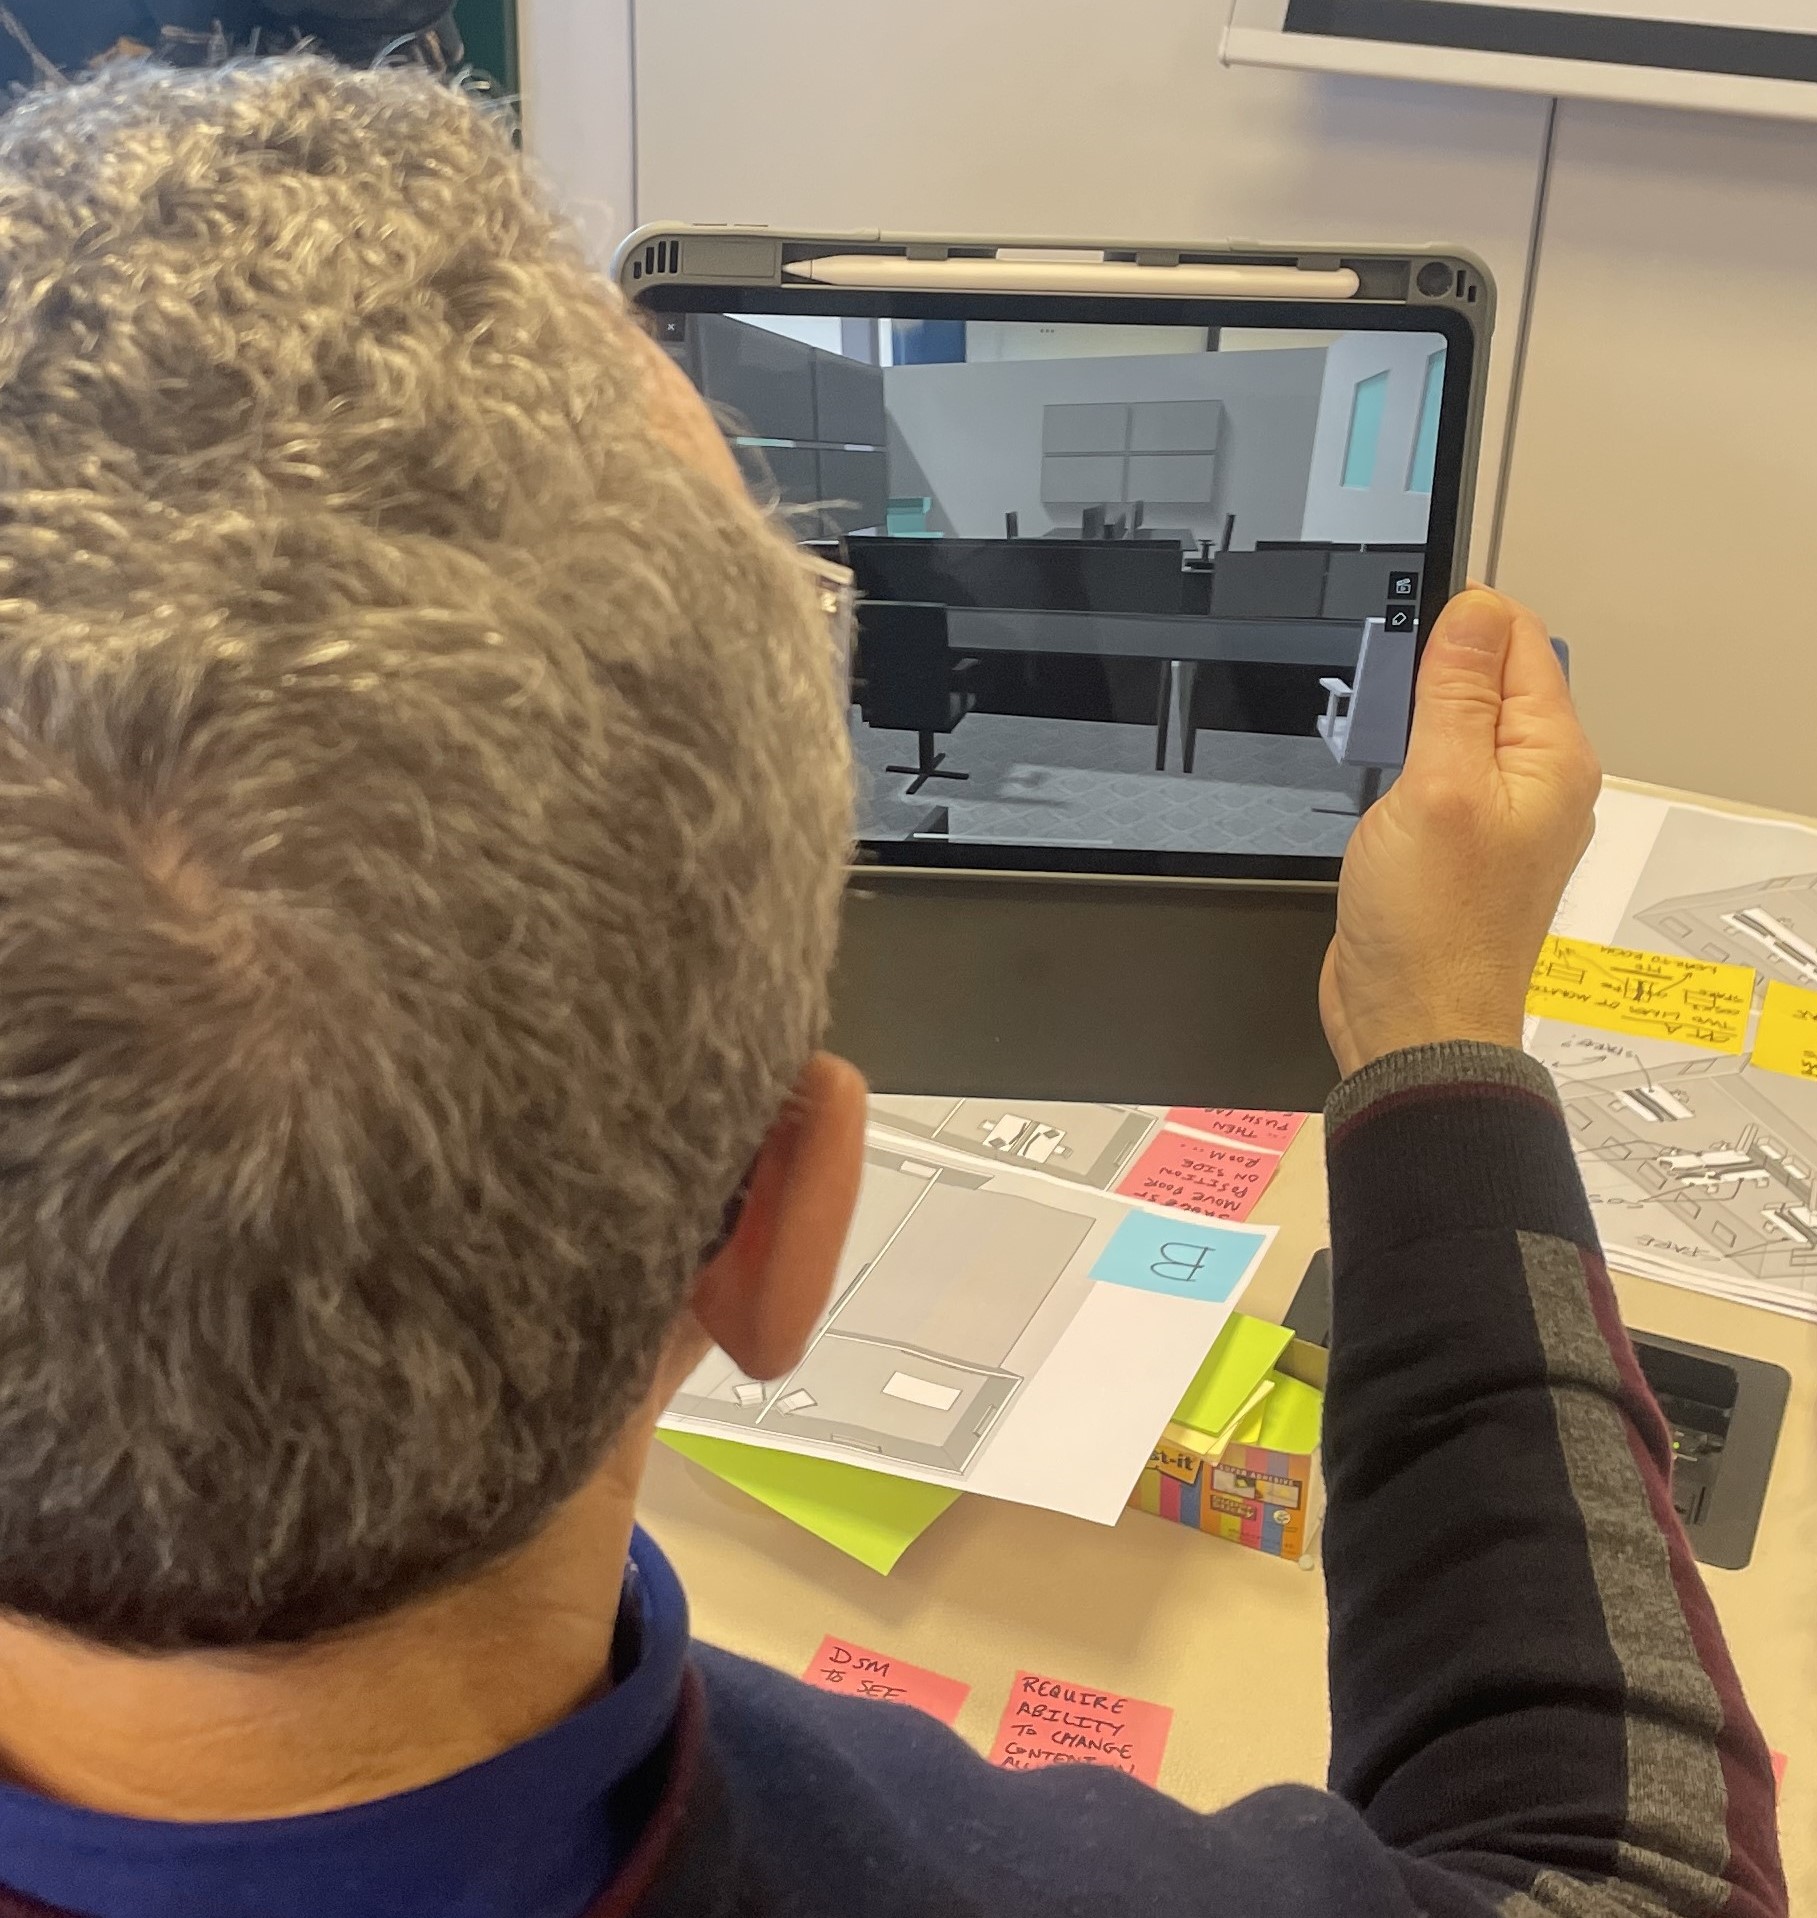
1290,1419
1244,1354
867,1515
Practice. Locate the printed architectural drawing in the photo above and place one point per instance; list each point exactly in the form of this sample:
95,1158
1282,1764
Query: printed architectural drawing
949,1295
1090,1145
1723,1154
1771,926
1702,1160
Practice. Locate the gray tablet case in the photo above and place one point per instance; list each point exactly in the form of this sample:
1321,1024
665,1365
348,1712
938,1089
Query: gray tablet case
1188,988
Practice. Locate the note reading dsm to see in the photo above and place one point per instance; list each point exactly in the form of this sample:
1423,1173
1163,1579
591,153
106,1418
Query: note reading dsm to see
1049,1722
1647,995
1786,1040
841,1667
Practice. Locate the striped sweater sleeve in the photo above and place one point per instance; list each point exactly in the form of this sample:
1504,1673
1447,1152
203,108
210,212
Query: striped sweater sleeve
1529,1688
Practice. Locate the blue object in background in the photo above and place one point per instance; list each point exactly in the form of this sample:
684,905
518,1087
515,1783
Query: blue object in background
1425,441
927,342
907,519
1367,405
1178,1257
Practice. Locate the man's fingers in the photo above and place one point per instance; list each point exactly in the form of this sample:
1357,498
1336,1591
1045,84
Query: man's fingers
1538,714
1460,687
1533,670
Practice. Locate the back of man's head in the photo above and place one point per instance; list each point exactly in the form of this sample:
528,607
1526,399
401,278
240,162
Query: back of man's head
422,804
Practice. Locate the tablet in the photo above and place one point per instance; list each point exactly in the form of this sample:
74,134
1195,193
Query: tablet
1145,537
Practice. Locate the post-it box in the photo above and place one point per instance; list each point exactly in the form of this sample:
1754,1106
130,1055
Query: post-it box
1261,1496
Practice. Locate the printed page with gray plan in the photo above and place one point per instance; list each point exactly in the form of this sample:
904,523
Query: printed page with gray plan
1699,1164
1002,1320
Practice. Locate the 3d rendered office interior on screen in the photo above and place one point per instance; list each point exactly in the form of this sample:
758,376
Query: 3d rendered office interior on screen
1126,586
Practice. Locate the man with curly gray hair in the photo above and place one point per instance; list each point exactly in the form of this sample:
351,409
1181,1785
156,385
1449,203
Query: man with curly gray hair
424,798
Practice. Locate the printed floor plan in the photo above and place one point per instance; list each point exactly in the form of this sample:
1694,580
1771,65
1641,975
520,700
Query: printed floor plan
1002,1319
1699,1164
949,1294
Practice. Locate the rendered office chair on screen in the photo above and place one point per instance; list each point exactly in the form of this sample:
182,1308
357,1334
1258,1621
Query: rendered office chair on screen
1365,718
909,681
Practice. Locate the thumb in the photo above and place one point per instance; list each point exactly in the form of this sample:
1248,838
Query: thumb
1459,703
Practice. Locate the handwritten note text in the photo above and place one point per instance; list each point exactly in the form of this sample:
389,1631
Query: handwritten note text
1049,1722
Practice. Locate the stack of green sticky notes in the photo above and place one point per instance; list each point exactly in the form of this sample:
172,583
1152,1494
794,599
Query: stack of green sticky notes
1236,1397
1227,1401
870,1516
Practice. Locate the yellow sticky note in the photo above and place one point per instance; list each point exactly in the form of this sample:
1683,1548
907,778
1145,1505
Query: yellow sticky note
1198,1443
1249,1428
1787,1037
1647,995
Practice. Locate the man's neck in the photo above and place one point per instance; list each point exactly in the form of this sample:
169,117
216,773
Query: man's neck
418,1695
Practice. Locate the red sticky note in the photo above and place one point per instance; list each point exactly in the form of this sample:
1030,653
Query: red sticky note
1199,1175
1048,1722
1778,1771
839,1667
1272,1131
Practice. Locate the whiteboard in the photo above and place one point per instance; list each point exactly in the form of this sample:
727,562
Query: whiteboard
1744,56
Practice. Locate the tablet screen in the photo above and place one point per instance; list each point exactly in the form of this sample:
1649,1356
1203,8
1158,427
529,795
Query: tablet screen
1136,597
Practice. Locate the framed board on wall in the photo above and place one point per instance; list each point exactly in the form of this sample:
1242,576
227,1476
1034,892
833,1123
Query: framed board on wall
1744,56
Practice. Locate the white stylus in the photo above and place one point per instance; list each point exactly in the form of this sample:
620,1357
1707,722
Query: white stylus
1077,276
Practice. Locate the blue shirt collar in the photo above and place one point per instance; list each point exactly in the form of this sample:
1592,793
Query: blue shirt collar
528,1834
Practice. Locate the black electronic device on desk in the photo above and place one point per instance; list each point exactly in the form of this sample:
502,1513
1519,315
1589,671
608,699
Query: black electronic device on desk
1125,885
1724,1411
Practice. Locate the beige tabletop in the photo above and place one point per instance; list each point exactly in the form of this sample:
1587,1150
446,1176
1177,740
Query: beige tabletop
1233,1641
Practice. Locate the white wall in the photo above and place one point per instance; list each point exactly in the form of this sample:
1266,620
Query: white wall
580,111
1663,509
1386,509
974,431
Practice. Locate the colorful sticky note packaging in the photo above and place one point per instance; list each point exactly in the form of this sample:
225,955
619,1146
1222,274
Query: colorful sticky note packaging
1240,1458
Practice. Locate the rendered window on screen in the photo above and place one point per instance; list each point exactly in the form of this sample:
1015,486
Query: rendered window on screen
1425,441
1367,406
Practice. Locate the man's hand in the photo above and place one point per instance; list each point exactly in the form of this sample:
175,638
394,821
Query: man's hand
1452,878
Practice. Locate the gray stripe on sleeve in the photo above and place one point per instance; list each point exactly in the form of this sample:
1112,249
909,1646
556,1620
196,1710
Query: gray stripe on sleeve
1675,1849
1450,1062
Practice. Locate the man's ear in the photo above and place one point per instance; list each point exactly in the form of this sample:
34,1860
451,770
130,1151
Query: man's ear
758,1298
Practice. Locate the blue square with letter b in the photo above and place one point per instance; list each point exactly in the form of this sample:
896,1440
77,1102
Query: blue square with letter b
1178,1256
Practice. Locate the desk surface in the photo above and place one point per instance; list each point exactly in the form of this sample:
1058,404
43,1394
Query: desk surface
1193,636
1235,1642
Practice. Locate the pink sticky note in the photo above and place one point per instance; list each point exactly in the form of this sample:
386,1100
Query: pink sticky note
1778,1771
1272,1131
1048,1722
1199,1175
839,1667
